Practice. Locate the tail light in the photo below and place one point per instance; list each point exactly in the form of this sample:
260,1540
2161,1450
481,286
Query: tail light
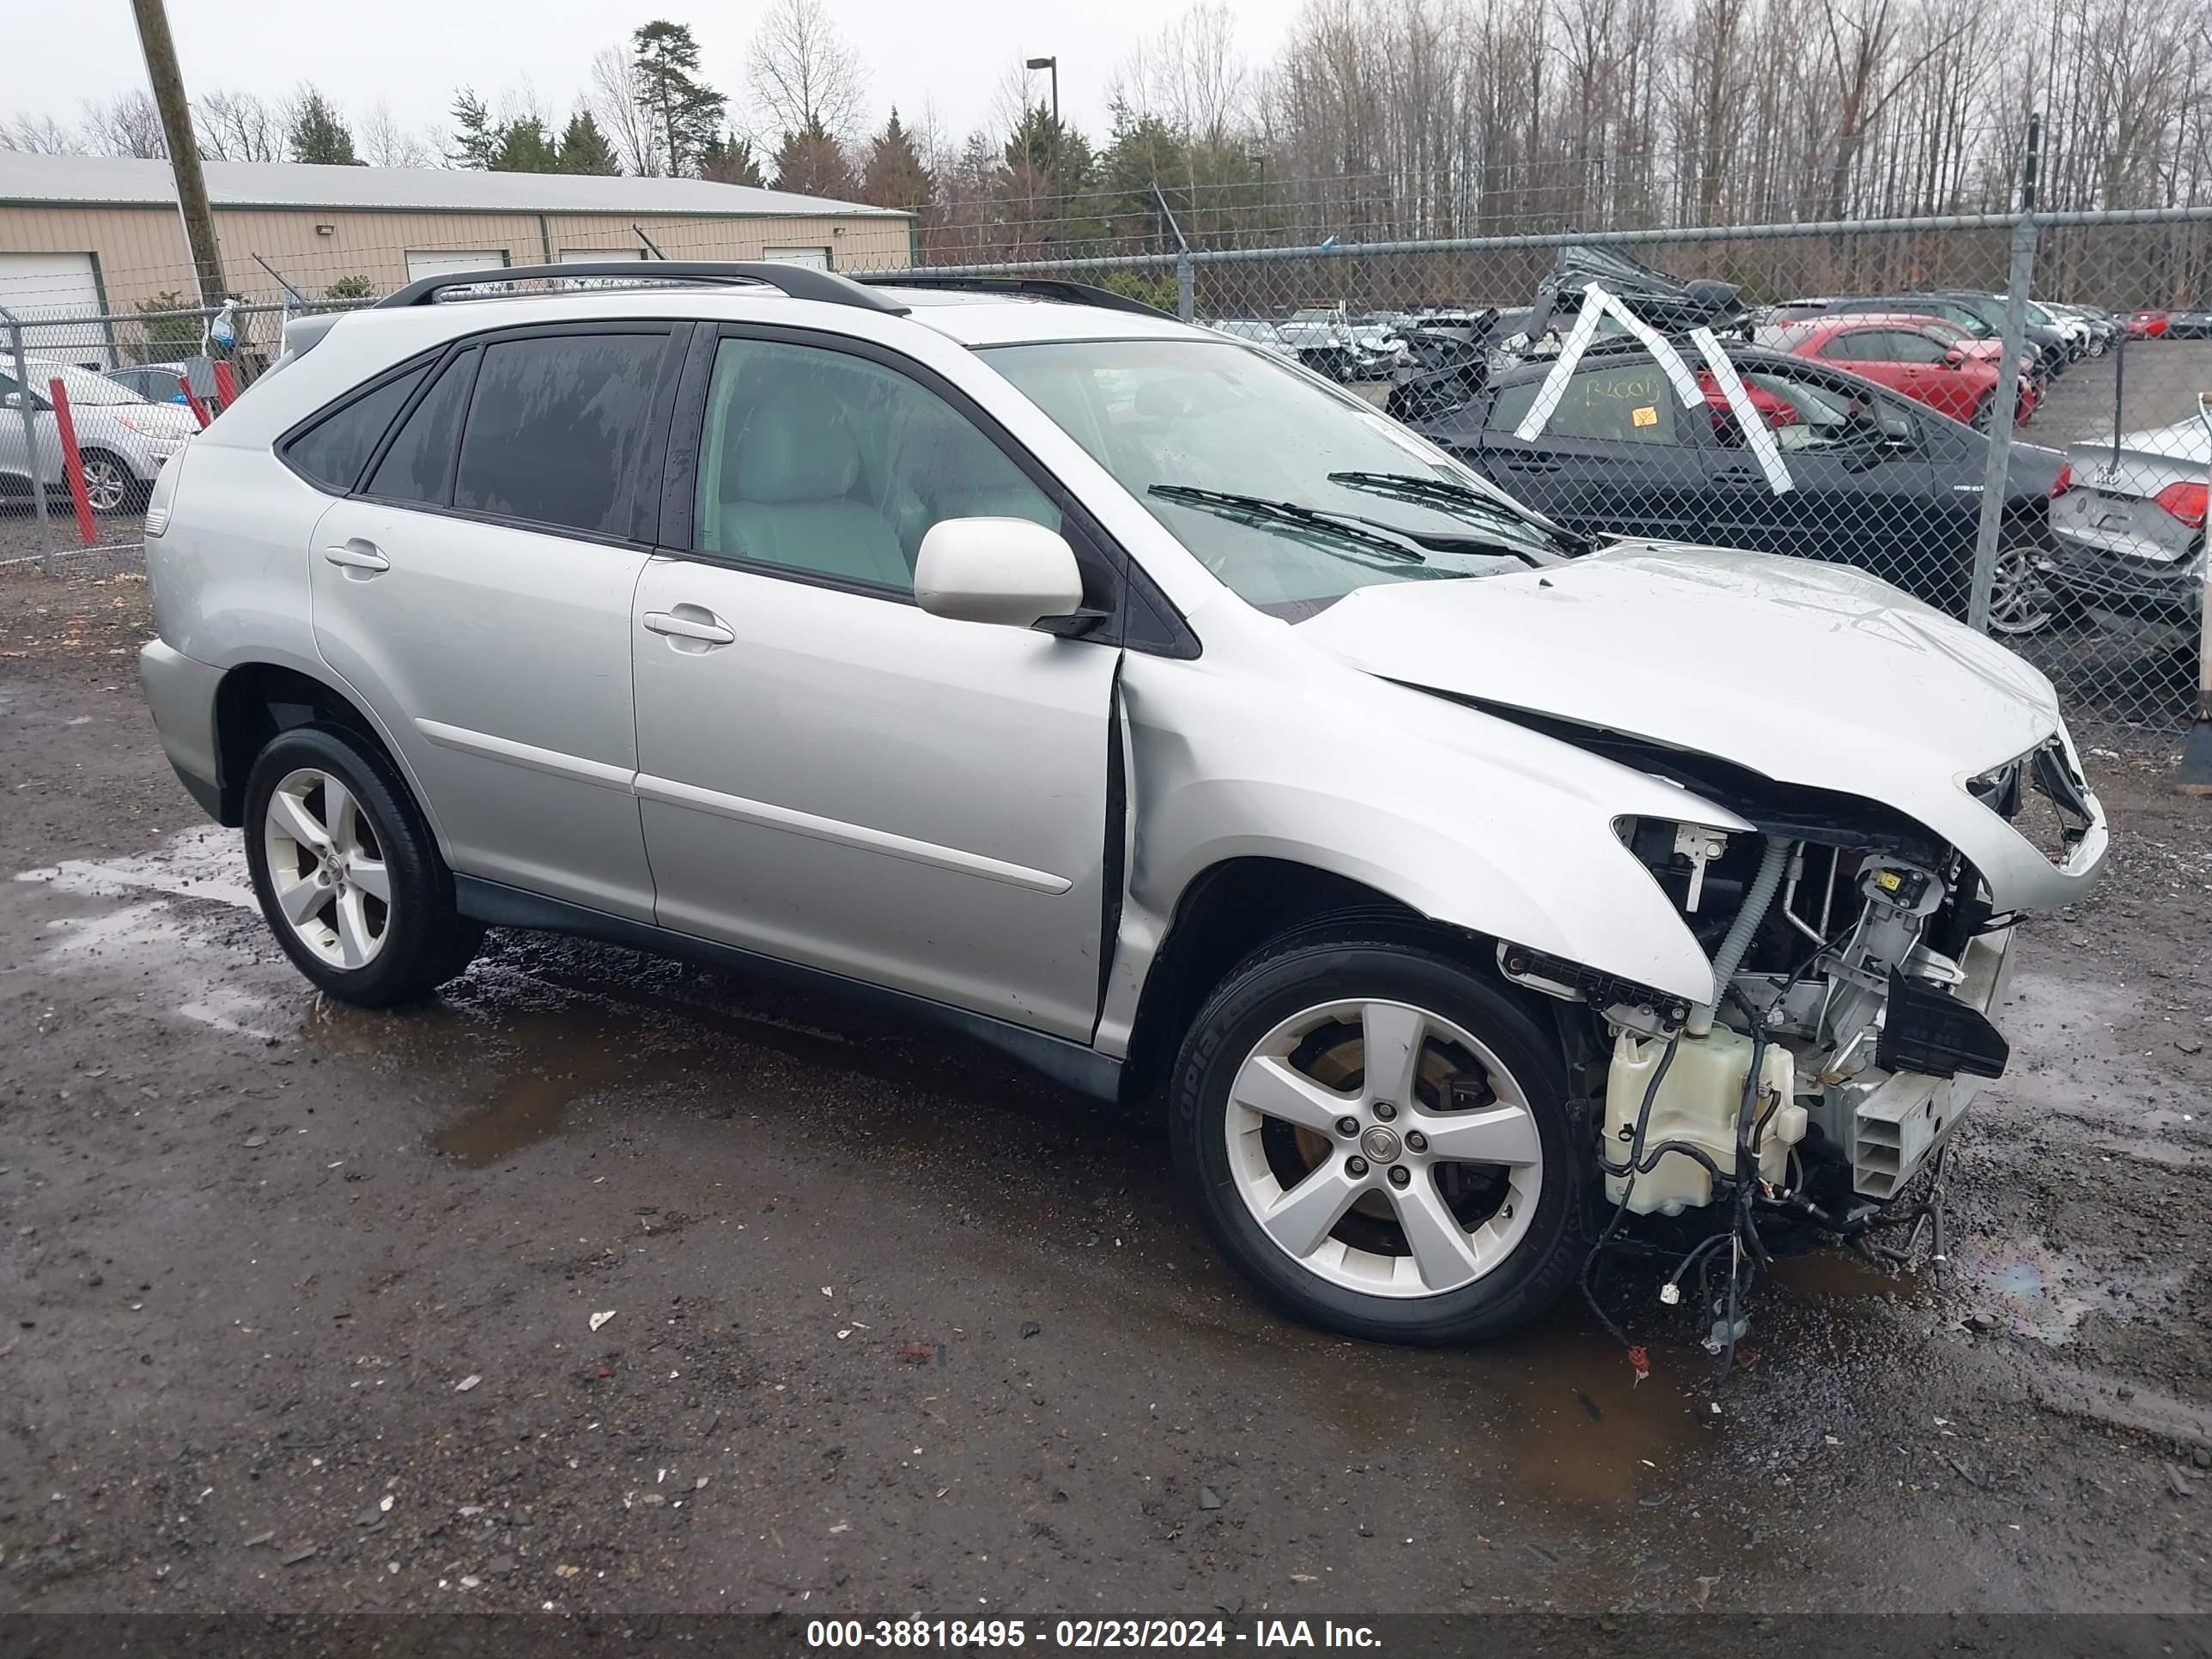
2064,481
2185,501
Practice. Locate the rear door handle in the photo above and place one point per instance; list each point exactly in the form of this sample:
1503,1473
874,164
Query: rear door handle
357,555
1517,464
690,621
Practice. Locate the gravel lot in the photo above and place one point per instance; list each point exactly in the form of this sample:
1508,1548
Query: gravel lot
300,1301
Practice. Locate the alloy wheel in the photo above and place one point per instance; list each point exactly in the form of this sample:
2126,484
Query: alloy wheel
326,869
106,486
1383,1148
2020,599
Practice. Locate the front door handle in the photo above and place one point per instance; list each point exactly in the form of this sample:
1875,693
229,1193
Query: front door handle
358,555
1518,464
690,621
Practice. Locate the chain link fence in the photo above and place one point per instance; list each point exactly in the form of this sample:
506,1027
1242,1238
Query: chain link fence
1999,412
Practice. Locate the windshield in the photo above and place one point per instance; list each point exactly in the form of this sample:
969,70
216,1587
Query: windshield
84,387
1292,493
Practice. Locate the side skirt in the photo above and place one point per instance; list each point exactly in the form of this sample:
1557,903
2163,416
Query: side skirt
1070,1064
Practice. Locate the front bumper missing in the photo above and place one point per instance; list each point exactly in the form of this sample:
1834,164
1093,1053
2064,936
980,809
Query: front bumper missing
1897,1119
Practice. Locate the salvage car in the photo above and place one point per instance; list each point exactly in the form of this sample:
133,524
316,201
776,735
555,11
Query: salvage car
1107,690
1959,378
1877,480
2130,538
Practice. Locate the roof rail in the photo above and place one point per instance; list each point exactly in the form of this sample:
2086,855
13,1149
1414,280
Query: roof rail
1036,287
798,281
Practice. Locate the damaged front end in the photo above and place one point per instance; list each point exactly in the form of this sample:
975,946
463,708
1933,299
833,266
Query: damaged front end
1857,959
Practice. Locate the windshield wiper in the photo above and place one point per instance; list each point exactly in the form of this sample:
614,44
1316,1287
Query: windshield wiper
1443,492
1342,526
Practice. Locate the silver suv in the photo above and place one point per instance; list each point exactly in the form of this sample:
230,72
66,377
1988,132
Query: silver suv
1124,697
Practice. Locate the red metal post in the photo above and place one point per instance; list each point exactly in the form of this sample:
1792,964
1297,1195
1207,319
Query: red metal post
72,462
226,386
199,410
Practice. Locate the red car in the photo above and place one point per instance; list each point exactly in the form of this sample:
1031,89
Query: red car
1911,354
2148,325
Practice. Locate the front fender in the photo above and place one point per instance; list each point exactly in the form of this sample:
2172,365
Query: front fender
1466,819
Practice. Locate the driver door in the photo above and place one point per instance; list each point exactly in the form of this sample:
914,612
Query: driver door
828,773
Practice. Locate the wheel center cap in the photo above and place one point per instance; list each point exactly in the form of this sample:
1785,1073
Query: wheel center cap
1380,1143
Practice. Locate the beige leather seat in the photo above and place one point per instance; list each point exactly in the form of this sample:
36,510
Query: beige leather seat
786,484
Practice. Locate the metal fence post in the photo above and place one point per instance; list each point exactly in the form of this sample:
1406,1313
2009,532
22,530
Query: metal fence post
2006,398
1185,286
27,399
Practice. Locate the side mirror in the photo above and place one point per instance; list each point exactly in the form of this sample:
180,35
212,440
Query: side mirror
13,400
1954,358
1009,571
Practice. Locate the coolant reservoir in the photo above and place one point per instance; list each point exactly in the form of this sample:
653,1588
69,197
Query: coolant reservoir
1697,1101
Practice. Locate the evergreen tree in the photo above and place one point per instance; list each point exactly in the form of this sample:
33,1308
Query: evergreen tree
475,138
730,160
1050,149
524,146
316,132
811,162
585,148
894,176
685,111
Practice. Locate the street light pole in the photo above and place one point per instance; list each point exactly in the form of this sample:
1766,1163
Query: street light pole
1052,64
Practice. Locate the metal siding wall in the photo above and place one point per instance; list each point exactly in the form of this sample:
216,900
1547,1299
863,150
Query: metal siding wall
141,250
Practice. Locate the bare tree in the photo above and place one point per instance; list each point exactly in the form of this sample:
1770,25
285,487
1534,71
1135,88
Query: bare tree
238,126
126,124
803,73
614,102
385,144
42,135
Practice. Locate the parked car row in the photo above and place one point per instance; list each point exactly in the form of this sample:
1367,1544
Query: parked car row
2162,324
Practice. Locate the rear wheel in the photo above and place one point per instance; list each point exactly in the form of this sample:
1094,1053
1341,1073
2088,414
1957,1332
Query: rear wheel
347,872
1378,1137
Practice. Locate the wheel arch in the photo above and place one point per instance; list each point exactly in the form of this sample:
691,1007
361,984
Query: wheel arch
256,701
1234,906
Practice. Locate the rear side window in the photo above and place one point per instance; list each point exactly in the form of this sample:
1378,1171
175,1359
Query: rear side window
333,451
420,461
1631,405
557,429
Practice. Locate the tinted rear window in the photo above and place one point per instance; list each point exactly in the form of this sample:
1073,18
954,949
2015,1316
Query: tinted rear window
419,462
333,451
1627,404
557,427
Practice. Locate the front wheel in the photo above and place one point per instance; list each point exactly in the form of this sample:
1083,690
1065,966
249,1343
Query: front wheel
347,872
1379,1138
2020,600
109,485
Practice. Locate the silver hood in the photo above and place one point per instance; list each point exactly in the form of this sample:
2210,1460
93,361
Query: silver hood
1810,674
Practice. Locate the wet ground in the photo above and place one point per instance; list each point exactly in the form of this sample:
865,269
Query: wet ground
303,1307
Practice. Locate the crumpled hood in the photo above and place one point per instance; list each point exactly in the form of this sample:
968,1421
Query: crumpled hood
1812,674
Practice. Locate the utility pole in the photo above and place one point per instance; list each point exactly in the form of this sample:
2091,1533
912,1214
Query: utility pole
168,83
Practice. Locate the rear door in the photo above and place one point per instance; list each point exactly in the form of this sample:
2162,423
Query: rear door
474,589
1619,455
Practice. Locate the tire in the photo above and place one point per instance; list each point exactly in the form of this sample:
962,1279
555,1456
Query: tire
354,944
110,484
1984,415
2021,603
1523,1219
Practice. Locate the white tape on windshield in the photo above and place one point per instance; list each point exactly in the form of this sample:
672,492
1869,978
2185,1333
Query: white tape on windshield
1571,353
1749,421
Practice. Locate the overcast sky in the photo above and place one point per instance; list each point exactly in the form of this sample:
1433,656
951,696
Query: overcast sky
412,54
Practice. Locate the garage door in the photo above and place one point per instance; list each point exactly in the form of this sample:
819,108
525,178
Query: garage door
816,257
47,288
444,262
